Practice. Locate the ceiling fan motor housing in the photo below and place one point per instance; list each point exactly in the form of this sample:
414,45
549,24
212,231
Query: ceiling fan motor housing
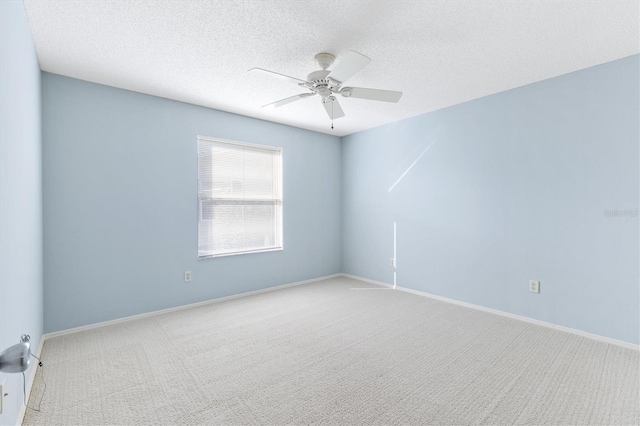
321,85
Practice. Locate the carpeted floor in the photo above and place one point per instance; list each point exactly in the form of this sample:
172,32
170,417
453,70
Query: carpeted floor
327,353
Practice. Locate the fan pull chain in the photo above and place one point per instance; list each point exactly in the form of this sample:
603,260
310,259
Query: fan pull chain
331,115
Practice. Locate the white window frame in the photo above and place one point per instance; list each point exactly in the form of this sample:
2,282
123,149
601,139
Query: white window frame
281,216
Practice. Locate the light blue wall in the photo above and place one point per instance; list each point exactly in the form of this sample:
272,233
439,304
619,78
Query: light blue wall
513,187
20,193
486,195
120,204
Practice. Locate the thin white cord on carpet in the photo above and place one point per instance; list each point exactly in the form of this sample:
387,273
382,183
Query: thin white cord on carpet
24,385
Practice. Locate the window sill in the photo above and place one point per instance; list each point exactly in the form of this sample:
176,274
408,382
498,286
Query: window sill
209,256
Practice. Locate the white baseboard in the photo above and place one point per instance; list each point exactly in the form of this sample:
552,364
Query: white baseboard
367,280
182,307
502,313
30,379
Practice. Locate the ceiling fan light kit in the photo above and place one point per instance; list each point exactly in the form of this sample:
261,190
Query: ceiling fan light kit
327,83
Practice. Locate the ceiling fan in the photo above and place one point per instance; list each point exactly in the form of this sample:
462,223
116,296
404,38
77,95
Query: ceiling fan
326,83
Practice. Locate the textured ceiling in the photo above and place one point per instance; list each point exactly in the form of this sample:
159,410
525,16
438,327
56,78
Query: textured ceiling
438,53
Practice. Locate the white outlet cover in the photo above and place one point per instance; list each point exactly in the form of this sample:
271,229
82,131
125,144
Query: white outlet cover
187,276
534,286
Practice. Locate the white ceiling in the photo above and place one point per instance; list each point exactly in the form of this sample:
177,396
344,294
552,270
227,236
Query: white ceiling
438,53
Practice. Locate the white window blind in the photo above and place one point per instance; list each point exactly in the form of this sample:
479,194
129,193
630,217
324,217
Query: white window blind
239,197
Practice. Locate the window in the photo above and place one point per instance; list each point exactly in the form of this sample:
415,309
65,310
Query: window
239,197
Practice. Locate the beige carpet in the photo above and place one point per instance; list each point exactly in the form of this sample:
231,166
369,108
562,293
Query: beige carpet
325,353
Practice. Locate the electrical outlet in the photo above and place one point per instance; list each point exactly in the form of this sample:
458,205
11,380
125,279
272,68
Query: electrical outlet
534,286
187,276
393,262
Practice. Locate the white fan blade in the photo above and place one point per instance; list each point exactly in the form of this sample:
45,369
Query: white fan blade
349,65
371,94
288,100
281,76
333,108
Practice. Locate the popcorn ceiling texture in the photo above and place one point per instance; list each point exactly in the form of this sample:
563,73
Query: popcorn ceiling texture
338,351
439,53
